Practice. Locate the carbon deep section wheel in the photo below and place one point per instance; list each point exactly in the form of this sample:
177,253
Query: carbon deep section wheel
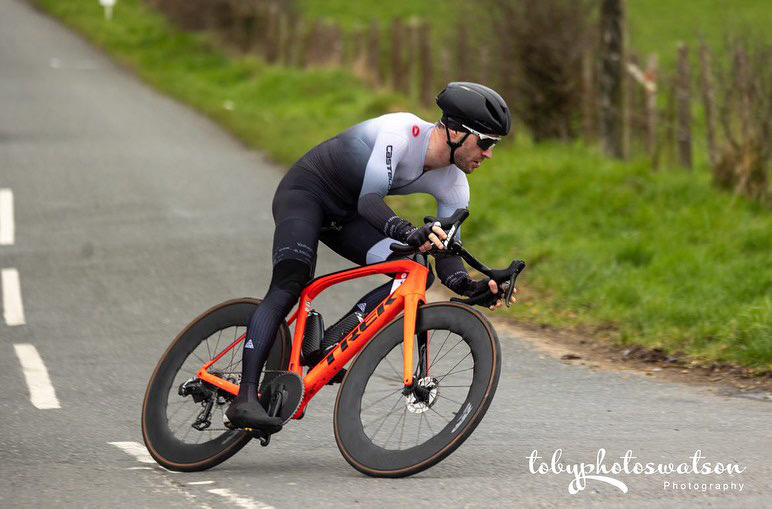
383,432
168,417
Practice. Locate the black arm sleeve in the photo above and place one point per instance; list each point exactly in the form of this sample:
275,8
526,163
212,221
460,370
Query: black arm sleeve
377,213
453,274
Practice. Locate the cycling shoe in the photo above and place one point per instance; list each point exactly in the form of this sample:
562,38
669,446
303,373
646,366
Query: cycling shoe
250,415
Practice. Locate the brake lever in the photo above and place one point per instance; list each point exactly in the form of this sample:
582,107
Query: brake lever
519,266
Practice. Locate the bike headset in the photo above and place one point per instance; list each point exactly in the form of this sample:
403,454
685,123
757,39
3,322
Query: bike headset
472,108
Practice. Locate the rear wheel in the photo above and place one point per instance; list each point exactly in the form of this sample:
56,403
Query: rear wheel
383,430
182,417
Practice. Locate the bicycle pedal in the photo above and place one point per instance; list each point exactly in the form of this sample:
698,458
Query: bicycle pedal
265,438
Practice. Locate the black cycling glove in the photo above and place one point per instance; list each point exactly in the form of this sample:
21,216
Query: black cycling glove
419,236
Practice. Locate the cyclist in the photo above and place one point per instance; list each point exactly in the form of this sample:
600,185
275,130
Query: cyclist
335,194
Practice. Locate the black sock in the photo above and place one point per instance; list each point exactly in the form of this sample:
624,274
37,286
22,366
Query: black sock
261,334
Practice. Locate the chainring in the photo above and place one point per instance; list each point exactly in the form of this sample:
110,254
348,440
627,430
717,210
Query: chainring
292,388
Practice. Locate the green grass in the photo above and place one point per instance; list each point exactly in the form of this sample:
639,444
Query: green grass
658,259
361,14
658,25
653,25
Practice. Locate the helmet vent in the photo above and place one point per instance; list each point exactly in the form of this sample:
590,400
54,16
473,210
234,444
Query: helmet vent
491,109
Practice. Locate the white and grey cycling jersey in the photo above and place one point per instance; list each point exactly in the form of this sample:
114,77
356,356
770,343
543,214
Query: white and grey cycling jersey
385,156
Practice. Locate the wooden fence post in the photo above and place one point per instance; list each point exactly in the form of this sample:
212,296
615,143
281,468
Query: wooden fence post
708,101
334,43
484,64
743,88
589,98
645,99
425,65
669,140
358,53
744,168
282,37
374,52
683,100
445,72
650,77
611,77
312,43
295,41
272,32
462,53
413,56
399,77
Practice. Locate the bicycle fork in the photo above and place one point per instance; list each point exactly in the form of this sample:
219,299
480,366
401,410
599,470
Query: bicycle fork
411,315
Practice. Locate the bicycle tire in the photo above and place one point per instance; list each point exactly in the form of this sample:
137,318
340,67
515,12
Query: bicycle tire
354,404
161,437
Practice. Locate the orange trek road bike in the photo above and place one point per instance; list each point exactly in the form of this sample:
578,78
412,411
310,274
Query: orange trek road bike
421,380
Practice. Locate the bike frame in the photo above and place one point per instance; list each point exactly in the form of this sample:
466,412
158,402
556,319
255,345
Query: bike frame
410,293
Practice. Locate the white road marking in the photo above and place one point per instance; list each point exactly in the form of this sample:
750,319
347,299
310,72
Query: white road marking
196,483
41,392
13,310
135,449
7,228
244,502
192,499
140,468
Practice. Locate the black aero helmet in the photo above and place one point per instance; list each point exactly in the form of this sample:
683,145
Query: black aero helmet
474,106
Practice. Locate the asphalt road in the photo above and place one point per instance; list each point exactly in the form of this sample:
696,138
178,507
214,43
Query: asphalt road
131,214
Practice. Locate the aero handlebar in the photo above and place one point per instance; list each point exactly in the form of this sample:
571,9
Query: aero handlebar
505,278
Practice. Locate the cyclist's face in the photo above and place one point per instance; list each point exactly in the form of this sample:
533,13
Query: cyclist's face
470,156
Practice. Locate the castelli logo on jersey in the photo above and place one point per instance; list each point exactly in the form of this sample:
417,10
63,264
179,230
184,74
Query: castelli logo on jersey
416,131
389,150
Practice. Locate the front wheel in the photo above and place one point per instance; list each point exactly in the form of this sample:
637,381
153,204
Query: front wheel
383,430
182,416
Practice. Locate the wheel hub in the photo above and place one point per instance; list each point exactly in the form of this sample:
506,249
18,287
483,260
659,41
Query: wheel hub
423,396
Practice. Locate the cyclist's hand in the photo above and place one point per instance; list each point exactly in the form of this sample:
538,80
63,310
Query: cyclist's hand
495,289
478,288
427,236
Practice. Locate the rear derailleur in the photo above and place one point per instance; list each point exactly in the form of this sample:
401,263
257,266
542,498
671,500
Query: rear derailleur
201,393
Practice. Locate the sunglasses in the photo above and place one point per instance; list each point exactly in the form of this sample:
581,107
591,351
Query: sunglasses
484,141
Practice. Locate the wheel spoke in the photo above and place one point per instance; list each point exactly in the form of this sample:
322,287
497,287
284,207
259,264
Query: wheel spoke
451,400
177,410
445,354
392,393
401,418
454,367
428,424
385,417
455,373
200,359
441,346
418,437
402,431
436,412
399,375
